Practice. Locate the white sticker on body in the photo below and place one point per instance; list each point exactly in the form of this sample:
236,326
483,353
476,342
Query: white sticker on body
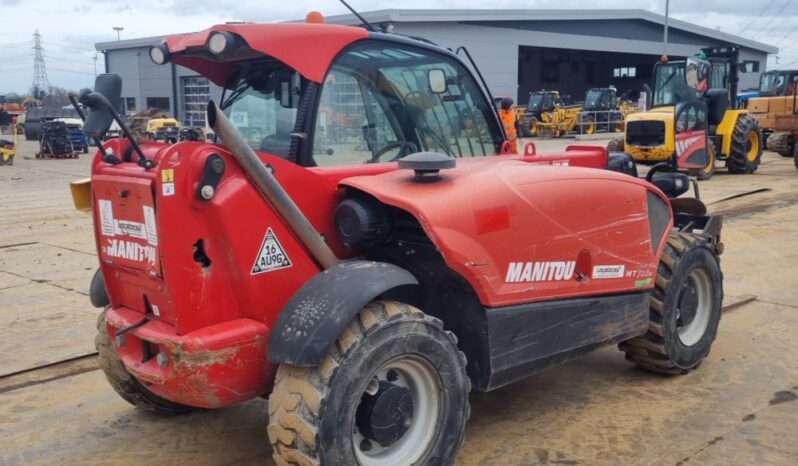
271,256
608,271
168,189
126,227
149,224
155,310
106,217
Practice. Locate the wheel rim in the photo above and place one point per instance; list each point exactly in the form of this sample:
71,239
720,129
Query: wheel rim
694,302
590,128
711,165
752,151
424,386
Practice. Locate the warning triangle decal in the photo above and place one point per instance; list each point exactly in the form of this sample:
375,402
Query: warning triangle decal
272,256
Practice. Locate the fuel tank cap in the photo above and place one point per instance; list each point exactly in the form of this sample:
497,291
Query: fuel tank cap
427,165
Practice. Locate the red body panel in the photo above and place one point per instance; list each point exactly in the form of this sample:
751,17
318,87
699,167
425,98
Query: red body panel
215,320
582,240
308,48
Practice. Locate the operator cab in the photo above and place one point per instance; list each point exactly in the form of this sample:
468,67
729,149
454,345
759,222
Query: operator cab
379,101
778,83
600,99
543,101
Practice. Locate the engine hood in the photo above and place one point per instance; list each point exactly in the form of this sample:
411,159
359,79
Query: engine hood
487,214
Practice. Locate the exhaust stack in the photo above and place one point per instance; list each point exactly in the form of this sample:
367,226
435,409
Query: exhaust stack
269,187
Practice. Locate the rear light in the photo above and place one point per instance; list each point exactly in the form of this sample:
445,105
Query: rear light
159,54
220,41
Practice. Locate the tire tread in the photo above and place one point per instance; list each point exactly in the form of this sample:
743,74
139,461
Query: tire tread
293,426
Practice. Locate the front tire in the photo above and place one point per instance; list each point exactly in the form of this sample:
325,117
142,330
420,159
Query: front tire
393,364
782,143
746,146
124,384
615,145
685,308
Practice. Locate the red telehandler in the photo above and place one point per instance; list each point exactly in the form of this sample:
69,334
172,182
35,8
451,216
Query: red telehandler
366,280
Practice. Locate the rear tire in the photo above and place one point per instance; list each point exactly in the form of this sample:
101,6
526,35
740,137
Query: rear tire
588,125
124,384
322,415
782,143
615,145
530,128
685,308
746,146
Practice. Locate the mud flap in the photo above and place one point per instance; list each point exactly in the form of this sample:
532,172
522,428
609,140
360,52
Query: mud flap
314,317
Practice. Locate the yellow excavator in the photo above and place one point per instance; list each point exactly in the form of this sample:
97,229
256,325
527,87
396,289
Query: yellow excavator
709,83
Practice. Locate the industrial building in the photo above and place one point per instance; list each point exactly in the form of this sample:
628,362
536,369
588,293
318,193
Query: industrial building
518,51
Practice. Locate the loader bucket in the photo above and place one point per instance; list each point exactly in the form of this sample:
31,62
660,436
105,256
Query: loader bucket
81,194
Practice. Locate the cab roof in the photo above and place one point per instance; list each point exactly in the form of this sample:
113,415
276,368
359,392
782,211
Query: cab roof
308,48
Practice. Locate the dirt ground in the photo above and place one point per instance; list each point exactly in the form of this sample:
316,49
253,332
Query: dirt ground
739,408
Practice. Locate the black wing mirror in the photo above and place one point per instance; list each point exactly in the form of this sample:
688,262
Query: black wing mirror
103,104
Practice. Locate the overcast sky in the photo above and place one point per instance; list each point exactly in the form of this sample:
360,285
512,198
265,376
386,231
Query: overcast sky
70,29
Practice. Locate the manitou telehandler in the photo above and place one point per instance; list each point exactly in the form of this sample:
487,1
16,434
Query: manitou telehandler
366,284
734,136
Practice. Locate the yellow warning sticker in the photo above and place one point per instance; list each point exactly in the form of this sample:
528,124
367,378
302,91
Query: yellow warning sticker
168,175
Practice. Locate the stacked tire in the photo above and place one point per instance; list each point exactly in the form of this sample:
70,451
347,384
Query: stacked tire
782,143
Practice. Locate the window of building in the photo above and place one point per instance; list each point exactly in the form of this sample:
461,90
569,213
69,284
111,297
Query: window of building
161,103
130,104
625,72
750,66
196,95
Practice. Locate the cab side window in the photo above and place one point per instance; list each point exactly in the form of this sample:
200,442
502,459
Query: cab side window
351,126
382,101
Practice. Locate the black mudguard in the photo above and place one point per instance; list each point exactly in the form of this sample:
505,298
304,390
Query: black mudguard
621,162
314,317
97,293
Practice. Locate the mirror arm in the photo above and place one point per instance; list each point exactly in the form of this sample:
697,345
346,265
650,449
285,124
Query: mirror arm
112,159
103,101
662,166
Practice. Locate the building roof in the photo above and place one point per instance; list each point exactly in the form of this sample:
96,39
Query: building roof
449,15
453,15
128,43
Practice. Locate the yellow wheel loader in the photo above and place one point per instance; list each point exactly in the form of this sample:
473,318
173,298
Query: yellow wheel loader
547,115
734,136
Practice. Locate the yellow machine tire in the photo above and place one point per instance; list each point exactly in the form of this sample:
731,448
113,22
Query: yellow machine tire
615,145
588,125
530,128
746,146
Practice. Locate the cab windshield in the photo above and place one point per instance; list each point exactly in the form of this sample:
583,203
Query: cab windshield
598,98
535,100
771,84
670,86
261,101
382,100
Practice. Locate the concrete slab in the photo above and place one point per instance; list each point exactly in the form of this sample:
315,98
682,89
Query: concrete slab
43,324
